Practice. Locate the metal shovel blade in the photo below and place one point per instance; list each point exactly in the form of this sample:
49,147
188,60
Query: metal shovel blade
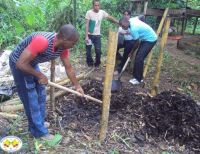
116,85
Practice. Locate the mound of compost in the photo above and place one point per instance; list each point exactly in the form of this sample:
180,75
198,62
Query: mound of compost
168,116
172,115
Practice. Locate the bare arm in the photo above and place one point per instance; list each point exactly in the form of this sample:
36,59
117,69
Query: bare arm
113,19
71,74
23,63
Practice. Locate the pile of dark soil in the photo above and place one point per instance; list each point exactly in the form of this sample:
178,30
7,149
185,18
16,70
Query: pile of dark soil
168,116
173,116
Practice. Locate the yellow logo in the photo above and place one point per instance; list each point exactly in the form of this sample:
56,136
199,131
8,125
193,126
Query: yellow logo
11,143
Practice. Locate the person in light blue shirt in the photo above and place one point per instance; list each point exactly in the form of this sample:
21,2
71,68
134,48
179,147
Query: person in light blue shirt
143,33
127,42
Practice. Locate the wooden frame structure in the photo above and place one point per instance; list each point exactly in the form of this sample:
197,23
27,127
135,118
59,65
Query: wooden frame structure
138,4
177,14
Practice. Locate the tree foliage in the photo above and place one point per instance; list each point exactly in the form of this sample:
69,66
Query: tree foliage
21,17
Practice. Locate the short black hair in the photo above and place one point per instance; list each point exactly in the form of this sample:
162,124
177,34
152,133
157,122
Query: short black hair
128,11
67,31
95,1
123,20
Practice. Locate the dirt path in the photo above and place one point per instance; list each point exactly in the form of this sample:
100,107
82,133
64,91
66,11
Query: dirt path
171,47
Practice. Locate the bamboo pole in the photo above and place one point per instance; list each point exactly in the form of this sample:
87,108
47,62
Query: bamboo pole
145,7
60,82
8,115
11,108
16,101
158,33
52,89
74,13
14,108
74,92
12,102
160,59
110,64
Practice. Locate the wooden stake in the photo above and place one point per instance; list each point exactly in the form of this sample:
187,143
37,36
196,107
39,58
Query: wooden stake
160,59
110,64
11,108
9,116
145,7
12,102
74,92
158,33
14,108
60,82
52,89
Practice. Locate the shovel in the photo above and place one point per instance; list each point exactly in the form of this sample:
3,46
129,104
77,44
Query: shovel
73,91
117,84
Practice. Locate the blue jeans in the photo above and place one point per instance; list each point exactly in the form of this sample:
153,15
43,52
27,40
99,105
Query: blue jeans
33,97
128,46
96,40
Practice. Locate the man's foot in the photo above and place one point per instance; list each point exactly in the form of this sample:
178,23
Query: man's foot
47,137
52,140
135,81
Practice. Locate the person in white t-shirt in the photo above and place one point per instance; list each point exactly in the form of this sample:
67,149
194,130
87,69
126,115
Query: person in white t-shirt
93,32
125,40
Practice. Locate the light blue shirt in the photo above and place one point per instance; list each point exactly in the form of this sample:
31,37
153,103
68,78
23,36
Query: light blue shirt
141,31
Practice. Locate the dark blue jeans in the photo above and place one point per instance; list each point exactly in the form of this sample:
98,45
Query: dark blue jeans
128,46
142,52
33,97
96,40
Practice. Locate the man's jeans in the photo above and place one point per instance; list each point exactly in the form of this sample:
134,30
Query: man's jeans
33,97
142,52
96,40
128,46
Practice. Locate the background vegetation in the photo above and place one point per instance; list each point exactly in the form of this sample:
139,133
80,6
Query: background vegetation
19,18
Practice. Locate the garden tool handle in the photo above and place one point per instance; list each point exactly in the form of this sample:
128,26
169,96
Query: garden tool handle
73,91
124,67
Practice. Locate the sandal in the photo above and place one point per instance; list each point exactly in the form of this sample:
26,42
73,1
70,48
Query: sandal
55,141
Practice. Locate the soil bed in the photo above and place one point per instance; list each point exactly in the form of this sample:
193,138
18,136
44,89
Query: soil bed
136,120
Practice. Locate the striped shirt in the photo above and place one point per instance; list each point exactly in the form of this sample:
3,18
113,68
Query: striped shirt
46,55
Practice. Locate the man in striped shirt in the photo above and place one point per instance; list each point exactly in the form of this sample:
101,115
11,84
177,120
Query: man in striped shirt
37,48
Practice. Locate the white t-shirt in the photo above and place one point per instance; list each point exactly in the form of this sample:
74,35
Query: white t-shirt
126,33
97,17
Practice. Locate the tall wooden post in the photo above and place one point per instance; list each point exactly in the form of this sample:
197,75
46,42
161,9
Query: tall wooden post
160,58
138,7
158,33
145,7
110,64
195,25
74,13
52,89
